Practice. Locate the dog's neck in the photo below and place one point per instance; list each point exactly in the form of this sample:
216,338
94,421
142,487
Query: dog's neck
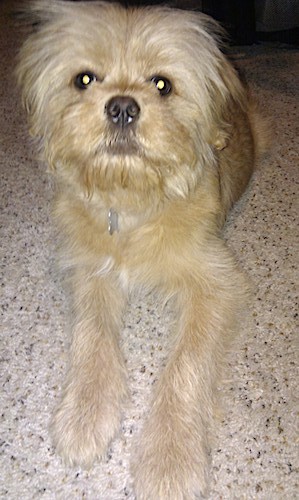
121,211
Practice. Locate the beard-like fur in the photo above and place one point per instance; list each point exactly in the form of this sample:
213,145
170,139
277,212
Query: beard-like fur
171,179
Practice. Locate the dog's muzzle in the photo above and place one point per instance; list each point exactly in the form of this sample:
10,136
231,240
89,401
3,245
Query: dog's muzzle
122,111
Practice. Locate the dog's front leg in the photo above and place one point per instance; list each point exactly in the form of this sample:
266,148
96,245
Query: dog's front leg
89,413
173,451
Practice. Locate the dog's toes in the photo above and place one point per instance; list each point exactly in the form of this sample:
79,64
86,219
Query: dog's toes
82,432
155,482
170,472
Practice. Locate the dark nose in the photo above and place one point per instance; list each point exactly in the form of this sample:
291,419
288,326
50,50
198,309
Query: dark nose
122,110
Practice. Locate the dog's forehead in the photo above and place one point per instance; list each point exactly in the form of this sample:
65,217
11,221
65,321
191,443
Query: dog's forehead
129,45
144,37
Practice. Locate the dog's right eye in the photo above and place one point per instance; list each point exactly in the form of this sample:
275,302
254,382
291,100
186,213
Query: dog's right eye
84,79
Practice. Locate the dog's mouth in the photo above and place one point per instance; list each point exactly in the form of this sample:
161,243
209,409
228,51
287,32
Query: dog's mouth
121,144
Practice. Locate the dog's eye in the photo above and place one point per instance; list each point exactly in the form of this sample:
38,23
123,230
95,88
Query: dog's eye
84,79
162,84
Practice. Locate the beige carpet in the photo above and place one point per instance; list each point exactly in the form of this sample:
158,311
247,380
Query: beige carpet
256,454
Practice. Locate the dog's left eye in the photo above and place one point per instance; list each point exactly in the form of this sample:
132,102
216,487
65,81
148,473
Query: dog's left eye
84,79
162,84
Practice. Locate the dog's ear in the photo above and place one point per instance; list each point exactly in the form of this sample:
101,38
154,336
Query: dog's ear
223,91
34,56
35,13
224,104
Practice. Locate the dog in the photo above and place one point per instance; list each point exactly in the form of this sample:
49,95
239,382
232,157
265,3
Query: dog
151,137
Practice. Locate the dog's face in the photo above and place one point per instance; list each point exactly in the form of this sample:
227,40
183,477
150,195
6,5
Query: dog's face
130,98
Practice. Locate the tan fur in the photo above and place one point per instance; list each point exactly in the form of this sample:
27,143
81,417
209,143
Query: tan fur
189,157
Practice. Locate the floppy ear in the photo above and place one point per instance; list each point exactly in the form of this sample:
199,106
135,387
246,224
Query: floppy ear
226,102
34,58
36,13
225,106
224,92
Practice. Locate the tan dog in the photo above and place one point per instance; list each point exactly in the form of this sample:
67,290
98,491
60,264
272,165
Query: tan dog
151,138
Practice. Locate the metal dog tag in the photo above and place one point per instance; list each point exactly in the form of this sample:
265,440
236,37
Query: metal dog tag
112,221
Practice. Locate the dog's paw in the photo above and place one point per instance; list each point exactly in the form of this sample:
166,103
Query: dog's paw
83,427
170,468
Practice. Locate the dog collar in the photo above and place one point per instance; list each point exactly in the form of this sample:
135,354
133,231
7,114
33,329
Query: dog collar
112,221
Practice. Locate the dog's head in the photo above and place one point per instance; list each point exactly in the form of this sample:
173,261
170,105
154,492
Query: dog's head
132,98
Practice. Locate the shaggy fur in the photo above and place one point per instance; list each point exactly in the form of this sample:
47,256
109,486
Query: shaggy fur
170,176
